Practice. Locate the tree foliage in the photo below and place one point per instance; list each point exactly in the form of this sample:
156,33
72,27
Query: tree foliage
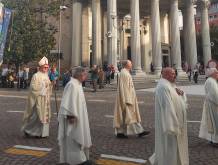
214,39
30,35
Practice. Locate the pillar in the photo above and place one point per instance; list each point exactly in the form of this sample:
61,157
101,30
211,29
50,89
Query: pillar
135,36
112,32
189,34
175,36
96,32
156,36
205,31
76,33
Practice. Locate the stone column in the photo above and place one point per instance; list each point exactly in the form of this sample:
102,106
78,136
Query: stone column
125,43
85,36
205,31
112,31
122,37
135,36
156,41
96,32
189,34
105,53
175,35
125,39
76,33
143,47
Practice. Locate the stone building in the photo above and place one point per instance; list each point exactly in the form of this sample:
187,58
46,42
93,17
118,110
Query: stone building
145,31
212,15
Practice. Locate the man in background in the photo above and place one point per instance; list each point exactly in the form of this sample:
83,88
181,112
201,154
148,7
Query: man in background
126,114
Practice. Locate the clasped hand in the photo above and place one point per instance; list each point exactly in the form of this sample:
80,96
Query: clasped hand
179,92
71,119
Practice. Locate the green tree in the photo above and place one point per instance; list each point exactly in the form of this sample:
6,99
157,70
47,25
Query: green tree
214,39
30,35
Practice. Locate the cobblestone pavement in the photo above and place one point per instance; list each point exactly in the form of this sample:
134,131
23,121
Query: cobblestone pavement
100,108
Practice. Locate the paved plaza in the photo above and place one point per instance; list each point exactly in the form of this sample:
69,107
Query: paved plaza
107,149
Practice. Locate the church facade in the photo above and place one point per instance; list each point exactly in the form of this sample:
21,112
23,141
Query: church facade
145,31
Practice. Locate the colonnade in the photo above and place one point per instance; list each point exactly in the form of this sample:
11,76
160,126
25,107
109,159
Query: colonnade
112,28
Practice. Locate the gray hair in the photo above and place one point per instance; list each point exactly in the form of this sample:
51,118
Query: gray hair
76,72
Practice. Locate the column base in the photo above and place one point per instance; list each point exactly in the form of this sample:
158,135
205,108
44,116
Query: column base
157,71
180,72
136,72
138,76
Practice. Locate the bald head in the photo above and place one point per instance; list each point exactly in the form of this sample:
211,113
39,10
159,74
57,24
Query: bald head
169,74
127,64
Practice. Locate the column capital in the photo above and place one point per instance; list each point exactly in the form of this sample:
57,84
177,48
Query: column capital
204,4
154,1
174,3
190,2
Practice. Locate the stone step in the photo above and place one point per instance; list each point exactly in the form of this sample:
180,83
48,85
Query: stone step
155,78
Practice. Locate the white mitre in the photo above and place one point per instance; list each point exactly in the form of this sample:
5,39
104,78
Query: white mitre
210,71
43,61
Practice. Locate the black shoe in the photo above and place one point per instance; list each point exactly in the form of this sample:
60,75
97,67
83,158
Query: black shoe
88,162
144,133
122,136
26,134
214,144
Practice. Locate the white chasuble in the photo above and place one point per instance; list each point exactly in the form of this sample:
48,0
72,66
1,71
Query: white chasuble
126,107
209,122
38,113
171,142
74,139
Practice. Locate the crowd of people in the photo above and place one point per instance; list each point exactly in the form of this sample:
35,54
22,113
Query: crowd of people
74,137
193,73
101,76
9,76
98,76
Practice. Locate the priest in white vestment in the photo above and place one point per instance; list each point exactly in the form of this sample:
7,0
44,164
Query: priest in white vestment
74,132
38,113
171,141
126,113
209,122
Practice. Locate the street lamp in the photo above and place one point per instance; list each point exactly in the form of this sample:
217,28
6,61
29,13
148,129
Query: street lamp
62,8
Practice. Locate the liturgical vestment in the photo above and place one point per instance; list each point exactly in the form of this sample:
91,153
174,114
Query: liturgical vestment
209,122
126,113
171,142
37,115
74,139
